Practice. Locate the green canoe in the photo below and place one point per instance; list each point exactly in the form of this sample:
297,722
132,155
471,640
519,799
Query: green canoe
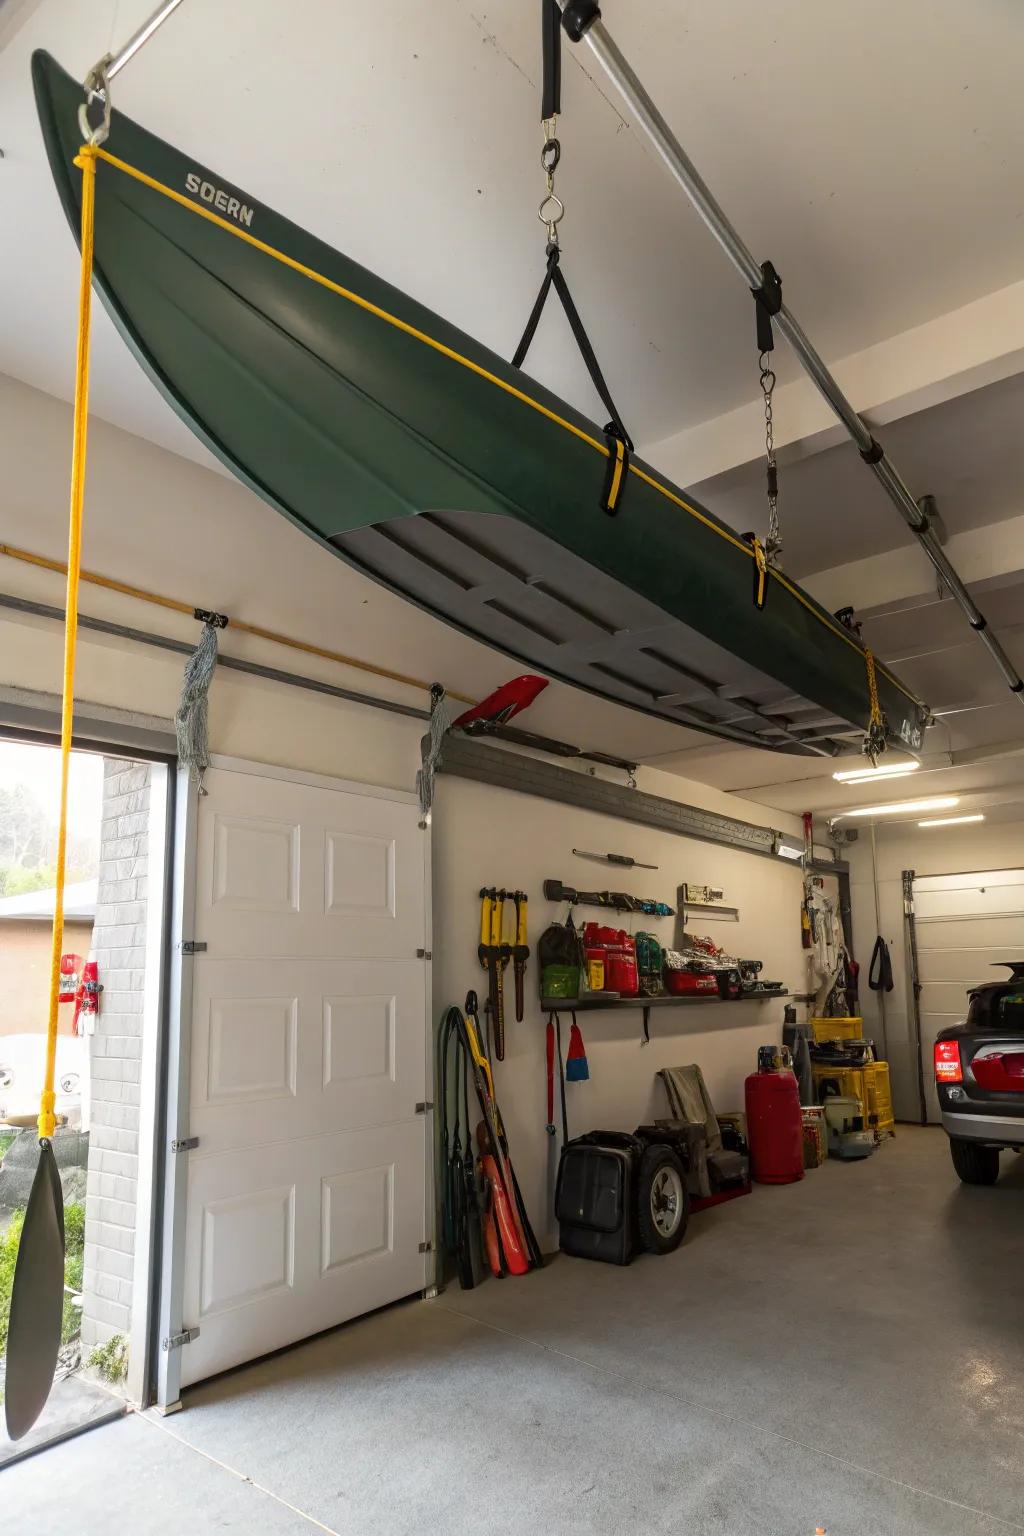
435,467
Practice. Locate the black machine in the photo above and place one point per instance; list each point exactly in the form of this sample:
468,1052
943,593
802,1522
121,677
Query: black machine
620,1192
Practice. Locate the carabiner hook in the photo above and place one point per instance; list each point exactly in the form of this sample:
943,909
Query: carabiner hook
96,86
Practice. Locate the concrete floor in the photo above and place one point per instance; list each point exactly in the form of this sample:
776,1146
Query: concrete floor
845,1352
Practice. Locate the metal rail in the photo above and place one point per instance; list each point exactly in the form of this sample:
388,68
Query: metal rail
685,173
116,62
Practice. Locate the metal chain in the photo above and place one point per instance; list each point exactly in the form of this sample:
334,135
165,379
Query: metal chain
773,543
551,208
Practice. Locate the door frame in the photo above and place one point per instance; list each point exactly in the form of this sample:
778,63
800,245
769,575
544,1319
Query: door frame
178,1074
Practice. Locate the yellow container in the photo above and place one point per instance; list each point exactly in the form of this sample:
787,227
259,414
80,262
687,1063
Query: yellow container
869,1085
879,1097
837,1029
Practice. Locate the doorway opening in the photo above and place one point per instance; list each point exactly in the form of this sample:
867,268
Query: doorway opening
107,1056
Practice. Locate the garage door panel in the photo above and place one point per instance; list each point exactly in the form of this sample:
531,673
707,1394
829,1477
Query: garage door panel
332,1230
946,997
926,885
987,901
993,932
306,1201
970,963
304,1047
342,875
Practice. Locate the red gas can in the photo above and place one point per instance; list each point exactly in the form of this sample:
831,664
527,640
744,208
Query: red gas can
774,1127
617,949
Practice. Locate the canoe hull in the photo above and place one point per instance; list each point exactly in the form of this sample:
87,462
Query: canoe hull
425,460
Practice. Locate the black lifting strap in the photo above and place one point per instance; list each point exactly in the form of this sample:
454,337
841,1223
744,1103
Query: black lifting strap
880,969
620,445
551,34
618,440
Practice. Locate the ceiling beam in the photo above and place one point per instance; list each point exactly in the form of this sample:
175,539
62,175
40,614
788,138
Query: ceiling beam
881,583
978,344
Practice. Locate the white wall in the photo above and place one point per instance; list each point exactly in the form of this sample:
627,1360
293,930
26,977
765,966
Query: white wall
487,836
942,851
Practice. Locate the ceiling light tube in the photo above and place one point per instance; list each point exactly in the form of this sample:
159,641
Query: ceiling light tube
906,807
950,821
866,775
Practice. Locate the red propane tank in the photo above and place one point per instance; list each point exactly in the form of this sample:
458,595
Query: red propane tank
774,1127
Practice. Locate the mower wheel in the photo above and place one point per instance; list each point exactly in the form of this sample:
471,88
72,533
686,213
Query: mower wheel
663,1203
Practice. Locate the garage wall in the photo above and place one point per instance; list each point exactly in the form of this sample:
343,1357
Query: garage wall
153,519
951,850
487,836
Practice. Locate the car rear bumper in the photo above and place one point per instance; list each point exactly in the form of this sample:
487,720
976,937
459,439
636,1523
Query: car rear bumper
999,1130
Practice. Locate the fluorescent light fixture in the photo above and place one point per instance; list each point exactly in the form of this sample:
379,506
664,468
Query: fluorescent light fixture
950,821
902,807
866,775
788,851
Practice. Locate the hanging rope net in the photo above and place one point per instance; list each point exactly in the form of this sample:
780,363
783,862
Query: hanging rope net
191,722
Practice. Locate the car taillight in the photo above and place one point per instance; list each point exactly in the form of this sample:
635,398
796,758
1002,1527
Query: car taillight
947,1062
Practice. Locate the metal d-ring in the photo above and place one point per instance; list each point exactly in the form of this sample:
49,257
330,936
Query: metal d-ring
551,212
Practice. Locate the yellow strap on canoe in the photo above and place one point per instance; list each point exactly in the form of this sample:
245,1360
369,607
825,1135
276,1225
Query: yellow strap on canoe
760,574
86,161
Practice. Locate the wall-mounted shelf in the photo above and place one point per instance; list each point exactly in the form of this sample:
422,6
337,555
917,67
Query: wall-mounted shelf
709,910
594,1004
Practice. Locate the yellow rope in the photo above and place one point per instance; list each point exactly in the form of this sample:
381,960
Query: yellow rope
86,161
877,719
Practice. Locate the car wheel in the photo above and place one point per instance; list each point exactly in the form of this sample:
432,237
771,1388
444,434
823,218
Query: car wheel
663,1204
974,1163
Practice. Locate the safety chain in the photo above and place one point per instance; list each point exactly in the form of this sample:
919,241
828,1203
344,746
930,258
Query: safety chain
875,740
552,209
773,543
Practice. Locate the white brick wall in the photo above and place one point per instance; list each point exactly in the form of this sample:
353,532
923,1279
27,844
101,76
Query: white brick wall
119,942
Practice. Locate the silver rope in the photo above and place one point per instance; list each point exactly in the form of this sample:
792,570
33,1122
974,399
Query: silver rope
440,724
191,722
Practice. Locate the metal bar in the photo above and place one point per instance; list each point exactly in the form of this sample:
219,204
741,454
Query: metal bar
116,62
297,680
231,663
910,922
466,758
683,171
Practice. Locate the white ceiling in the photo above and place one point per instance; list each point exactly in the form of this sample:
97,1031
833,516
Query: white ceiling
968,452
874,152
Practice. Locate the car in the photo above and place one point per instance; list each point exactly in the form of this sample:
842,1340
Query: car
22,1065
979,1077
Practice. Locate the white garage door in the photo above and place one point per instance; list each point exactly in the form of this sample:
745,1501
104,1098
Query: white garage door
307,1196
964,924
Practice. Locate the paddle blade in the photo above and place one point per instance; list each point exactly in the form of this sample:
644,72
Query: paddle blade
37,1300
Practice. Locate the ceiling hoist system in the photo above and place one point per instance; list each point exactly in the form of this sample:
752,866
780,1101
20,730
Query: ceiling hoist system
396,412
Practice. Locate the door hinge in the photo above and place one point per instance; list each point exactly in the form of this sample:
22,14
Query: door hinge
193,947
424,1106
185,1144
176,1340
427,1247
424,954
